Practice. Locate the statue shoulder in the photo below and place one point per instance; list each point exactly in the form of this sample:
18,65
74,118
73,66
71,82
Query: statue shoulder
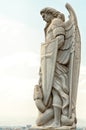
56,22
58,27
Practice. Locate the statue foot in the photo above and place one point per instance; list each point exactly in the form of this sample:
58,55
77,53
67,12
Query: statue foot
67,121
55,124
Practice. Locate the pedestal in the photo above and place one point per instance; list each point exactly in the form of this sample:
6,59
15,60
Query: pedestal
51,128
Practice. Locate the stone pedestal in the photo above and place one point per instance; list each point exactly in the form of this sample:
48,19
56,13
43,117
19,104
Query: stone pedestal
51,128
28,127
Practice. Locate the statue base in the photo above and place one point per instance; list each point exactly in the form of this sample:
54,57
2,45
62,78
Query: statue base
52,128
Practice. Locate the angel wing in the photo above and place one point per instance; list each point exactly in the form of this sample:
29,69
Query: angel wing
72,45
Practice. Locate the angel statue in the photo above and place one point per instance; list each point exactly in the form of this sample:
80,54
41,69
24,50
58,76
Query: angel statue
56,93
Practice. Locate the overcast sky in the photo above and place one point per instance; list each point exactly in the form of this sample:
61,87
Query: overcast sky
21,33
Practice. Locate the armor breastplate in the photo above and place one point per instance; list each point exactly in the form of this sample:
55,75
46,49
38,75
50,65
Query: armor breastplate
49,34
53,30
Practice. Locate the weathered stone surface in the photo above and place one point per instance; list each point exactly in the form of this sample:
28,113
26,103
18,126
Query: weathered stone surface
55,95
32,128
39,128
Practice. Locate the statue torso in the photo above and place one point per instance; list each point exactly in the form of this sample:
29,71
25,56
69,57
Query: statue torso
53,30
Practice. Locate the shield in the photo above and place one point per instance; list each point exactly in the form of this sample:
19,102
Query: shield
48,61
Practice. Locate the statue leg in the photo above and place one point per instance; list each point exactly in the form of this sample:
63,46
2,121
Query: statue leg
65,120
57,103
45,117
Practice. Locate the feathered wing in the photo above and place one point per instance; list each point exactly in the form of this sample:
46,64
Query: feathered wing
72,51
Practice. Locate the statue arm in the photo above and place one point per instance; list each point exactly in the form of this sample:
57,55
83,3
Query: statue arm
58,32
60,40
38,95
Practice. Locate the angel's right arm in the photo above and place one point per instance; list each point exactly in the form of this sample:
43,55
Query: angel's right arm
58,31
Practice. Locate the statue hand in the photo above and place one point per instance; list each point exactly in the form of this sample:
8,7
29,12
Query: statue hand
38,99
37,92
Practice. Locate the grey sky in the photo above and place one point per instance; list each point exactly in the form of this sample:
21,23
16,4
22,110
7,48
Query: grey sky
21,33
27,12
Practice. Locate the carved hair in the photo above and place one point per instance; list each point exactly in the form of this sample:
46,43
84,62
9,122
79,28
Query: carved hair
54,12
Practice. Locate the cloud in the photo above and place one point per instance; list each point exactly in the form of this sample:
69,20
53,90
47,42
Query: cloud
19,62
16,36
19,66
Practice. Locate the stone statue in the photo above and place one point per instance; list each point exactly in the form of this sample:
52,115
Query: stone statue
55,95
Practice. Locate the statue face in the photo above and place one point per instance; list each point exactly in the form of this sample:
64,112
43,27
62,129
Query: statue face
47,17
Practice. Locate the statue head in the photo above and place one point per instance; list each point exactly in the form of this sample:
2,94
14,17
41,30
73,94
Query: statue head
49,13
